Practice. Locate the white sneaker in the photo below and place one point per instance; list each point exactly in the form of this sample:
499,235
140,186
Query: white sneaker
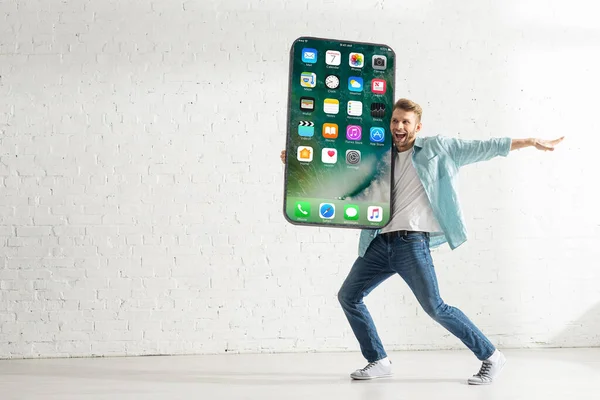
376,369
490,369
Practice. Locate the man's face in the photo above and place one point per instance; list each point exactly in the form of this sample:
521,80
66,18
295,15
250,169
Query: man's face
404,127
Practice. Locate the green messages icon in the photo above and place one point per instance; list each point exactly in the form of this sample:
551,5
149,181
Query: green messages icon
302,209
351,212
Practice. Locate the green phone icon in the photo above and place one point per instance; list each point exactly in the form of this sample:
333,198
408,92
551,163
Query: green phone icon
302,209
351,212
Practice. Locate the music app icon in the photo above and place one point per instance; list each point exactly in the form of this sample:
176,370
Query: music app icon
375,214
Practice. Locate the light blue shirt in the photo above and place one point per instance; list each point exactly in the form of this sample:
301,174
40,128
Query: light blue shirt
437,160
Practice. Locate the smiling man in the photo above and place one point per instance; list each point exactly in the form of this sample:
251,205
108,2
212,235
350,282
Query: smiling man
426,213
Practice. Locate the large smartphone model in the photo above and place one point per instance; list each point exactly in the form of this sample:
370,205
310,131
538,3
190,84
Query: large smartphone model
338,169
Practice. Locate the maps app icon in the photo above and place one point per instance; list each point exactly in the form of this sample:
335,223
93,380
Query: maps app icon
308,79
377,135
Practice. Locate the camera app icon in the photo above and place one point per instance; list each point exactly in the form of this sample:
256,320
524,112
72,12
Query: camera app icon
379,62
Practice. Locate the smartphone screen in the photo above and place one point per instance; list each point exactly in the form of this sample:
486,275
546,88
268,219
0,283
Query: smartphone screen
339,148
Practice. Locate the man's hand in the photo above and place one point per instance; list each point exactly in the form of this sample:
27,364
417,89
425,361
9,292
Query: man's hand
540,144
547,145
282,156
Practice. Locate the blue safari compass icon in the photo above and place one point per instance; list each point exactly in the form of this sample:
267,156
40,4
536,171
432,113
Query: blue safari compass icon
327,210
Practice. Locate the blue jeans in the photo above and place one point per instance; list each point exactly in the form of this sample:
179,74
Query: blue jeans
409,257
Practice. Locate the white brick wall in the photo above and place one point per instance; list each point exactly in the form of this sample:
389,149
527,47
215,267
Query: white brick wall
141,188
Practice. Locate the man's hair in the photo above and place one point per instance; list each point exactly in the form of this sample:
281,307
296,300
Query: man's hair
409,105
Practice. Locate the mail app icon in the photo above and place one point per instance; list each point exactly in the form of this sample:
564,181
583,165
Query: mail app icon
309,56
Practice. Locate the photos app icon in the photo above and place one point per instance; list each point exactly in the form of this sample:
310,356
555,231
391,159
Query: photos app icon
356,60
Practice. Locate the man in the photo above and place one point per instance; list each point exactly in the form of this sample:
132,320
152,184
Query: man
425,212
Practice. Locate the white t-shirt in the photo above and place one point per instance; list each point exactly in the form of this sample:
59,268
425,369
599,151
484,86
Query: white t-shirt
411,208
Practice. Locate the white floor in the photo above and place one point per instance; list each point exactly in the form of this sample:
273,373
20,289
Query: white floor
529,374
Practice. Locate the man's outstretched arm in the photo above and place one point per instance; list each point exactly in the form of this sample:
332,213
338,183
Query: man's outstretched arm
465,152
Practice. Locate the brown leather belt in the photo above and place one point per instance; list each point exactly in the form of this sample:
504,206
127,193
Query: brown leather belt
395,234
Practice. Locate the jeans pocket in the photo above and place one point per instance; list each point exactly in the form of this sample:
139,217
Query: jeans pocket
413,238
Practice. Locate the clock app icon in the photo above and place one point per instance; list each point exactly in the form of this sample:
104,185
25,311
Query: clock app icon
332,82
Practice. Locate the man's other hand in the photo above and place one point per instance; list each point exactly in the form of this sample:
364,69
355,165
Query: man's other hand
547,145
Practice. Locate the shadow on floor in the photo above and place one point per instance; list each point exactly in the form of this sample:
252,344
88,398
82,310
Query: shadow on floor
584,330
49,370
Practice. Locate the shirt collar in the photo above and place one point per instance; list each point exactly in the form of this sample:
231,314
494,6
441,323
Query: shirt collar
419,141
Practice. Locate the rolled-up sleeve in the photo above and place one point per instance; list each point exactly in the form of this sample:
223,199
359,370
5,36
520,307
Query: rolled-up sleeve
465,152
